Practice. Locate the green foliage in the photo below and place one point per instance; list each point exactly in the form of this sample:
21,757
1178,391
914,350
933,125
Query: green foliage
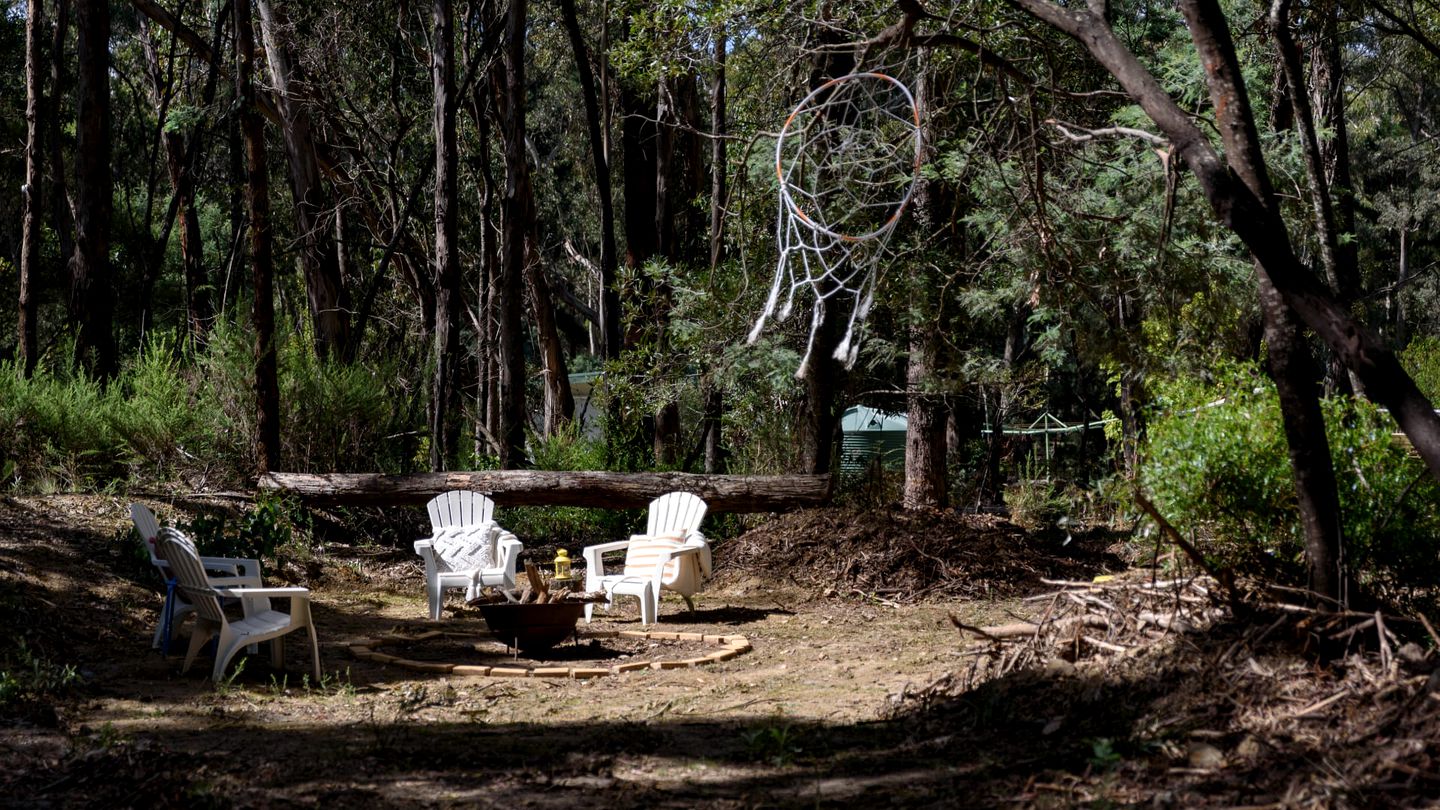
1422,360
28,678
1217,463
272,524
1035,501
776,742
567,525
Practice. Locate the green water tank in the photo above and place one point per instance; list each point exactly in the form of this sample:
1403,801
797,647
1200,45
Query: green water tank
867,434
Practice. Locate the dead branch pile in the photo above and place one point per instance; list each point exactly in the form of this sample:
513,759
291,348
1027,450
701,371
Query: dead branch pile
904,556
1091,621
1287,705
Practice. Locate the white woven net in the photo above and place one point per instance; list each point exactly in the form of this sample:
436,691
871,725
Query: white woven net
847,160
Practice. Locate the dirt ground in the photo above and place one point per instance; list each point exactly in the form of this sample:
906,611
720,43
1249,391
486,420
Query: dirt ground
859,688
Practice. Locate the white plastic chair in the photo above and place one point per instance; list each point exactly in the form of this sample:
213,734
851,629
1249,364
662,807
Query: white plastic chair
238,572
672,555
260,622
466,549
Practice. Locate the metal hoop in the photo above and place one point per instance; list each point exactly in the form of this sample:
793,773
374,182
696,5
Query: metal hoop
789,201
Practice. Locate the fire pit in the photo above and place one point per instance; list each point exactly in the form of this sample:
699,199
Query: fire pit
532,627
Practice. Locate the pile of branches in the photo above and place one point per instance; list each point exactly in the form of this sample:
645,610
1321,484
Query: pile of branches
1261,701
1093,620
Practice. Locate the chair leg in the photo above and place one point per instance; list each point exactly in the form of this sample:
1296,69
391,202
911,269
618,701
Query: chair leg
166,629
437,602
277,652
204,631
649,607
225,651
314,651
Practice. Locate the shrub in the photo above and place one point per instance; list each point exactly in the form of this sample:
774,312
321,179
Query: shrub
567,525
1216,461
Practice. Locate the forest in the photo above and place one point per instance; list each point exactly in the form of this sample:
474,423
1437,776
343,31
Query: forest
1150,285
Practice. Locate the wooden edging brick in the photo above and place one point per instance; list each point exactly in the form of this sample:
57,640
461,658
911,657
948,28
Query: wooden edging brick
730,646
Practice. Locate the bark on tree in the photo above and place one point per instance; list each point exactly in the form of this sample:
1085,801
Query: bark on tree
609,490
63,220
926,486
324,287
1384,379
558,408
609,303
1297,382
30,192
181,154
92,283
262,250
444,401
719,155
510,289
925,482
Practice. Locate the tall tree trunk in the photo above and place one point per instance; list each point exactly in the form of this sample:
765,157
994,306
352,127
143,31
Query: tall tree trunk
487,318
993,483
30,192
180,167
262,250
62,217
925,479
92,283
559,405
719,155
510,289
824,376
1297,381
325,288
609,298
443,399
719,175
925,484
1338,262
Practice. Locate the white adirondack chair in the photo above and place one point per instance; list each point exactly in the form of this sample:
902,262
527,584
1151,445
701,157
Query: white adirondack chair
467,549
260,622
237,572
672,555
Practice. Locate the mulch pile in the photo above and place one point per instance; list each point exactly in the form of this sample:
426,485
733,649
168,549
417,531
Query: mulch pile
909,555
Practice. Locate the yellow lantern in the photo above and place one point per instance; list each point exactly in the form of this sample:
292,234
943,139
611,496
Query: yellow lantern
562,566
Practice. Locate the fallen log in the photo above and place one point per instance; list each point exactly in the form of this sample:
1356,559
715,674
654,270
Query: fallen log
613,490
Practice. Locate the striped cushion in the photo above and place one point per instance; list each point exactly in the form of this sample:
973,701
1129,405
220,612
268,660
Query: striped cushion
644,551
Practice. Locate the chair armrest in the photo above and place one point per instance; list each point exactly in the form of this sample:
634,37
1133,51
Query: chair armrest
424,547
264,592
508,546
594,565
604,548
232,565
221,583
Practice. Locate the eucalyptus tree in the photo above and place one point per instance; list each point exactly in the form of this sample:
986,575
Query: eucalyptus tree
92,282
30,191
262,270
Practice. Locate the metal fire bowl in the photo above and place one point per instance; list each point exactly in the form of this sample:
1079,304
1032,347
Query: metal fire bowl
532,628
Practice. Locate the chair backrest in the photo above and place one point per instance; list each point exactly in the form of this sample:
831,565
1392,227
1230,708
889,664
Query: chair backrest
675,511
149,528
180,554
459,507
